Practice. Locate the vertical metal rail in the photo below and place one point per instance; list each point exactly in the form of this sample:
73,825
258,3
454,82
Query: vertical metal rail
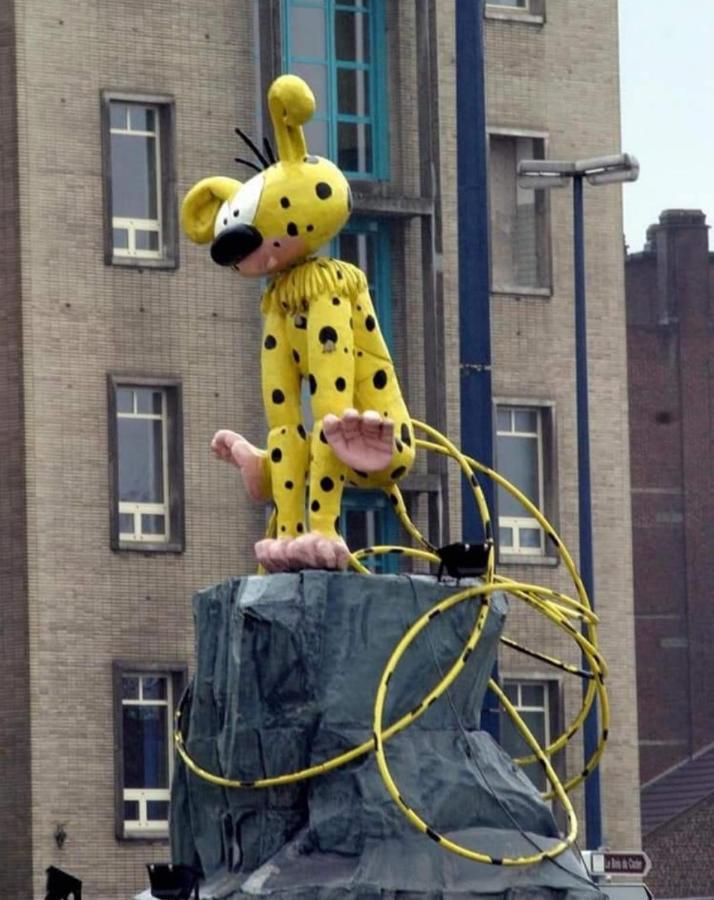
593,817
474,272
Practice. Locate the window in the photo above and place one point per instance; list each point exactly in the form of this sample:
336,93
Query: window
147,467
145,698
337,46
531,11
532,700
139,184
368,520
520,248
513,4
365,243
520,459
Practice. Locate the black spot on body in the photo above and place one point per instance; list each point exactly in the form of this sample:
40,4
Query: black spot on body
326,483
340,383
301,431
292,229
323,190
276,455
369,323
310,228
335,301
313,384
398,472
278,396
296,356
406,434
322,436
300,528
339,274
337,525
270,343
284,202
315,505
361,474
327,333
289,485
379,379
398,444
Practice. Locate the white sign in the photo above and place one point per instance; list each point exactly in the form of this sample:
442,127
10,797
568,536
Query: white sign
617,862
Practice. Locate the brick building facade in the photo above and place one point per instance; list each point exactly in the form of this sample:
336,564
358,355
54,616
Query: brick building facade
669,317
110,326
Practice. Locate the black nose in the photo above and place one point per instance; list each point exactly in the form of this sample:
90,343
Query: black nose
234,244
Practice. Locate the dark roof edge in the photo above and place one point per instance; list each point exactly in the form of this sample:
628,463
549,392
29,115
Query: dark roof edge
680,765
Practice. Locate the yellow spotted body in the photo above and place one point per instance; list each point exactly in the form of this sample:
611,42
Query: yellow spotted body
320,326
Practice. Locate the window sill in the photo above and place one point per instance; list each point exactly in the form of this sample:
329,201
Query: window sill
128,262
134,837
513,15
380,201
508,559
507,291
147,547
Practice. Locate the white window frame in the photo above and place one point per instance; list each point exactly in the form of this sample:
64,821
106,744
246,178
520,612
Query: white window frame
144,826
533,13
516,523
138,509
132,225
520,707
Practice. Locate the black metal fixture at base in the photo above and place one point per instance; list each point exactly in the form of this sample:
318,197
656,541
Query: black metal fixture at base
173,882
60,885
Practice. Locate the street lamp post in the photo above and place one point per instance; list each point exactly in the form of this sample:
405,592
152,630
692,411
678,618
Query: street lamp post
538,174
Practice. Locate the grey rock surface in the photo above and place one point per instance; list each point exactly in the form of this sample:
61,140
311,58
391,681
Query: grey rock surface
287,667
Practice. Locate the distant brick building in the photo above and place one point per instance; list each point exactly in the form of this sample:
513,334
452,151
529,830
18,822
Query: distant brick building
670,335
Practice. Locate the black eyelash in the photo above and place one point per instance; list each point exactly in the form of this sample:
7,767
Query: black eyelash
247,162
268,150
259,155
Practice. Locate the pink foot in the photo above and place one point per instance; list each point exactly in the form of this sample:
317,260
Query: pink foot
235,449
309,551
363,441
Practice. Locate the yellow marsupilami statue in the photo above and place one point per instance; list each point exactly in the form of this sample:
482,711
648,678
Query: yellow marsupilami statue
319,325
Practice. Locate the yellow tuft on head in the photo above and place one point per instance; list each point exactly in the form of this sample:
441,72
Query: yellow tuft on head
291,104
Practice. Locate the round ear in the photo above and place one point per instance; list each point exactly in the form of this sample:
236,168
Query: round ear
200,206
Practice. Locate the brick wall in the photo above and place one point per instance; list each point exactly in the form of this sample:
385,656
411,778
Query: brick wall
670,384
14,655
681,854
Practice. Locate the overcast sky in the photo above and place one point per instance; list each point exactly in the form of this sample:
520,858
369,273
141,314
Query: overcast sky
667,76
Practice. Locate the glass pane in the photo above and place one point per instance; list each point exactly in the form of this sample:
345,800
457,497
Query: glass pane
125,400
532,694
120,238
504,419
141,472
154,687
307,32
118,114
153,524
518,462
134,184
511,741
356,529
316,137
147,240
526,420
149,401
130,687
131,810
529,537
510,689
145,747
316,77
535,722
353,92
126,523
157,810
352,38
354,147
505,536
142,118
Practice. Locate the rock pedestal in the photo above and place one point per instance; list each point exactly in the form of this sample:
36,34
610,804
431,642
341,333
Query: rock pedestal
287,667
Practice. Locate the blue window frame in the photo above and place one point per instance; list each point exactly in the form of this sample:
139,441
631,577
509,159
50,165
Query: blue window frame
365,243
338,47
367,519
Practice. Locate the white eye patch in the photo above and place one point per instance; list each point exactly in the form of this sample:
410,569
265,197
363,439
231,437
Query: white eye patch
241,209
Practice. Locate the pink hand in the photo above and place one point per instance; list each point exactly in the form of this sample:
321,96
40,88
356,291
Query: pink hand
363,441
